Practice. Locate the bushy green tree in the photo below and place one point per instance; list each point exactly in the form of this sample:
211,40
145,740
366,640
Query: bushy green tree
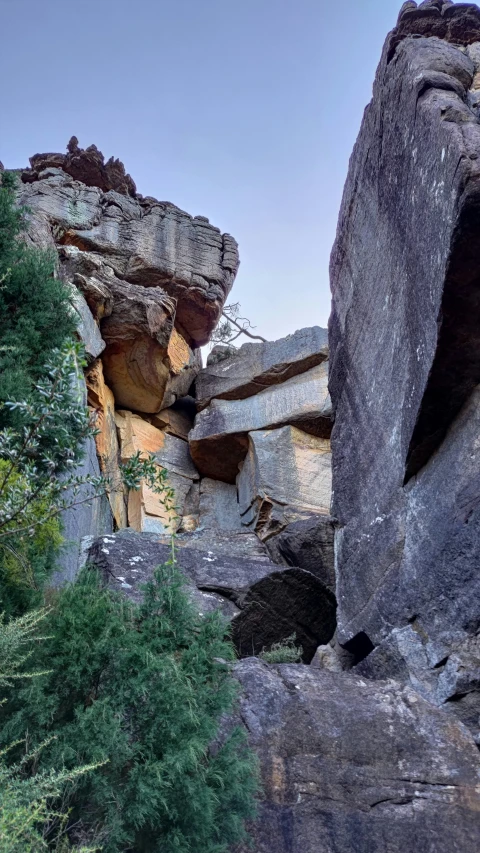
143,686
30,819
36,316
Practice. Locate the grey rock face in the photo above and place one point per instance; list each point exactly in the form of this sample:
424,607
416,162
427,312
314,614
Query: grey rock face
147,242
286,475
349,765
219,441
267,604
88,330
219,506
405,355
307,543
256,366
92,518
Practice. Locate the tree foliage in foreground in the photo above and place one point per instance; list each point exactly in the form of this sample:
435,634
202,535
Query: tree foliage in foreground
142,687
30,817
36,316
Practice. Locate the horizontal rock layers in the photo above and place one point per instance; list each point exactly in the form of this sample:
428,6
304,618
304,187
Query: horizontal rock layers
405,357
144,241
219,440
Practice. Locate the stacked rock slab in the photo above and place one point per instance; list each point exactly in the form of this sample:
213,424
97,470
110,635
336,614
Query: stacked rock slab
405,365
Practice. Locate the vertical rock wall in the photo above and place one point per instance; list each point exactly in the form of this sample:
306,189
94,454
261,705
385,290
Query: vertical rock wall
405,361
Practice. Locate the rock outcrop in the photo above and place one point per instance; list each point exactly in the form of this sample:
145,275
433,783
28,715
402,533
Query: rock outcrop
353,766
144,241
219,441
405,363
267,604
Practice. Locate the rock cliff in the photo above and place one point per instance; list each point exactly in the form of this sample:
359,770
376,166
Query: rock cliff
364,541
405,366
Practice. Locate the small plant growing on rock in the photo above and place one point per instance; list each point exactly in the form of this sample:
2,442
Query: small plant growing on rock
286,651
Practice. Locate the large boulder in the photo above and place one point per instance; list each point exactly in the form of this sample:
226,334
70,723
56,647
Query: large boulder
349,765
307,543
286,474
219,440
267,604
405,356
256,366
147,242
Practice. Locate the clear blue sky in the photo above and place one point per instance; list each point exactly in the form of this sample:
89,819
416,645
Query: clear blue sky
244,111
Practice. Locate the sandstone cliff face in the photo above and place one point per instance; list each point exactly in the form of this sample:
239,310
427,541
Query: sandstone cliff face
405,362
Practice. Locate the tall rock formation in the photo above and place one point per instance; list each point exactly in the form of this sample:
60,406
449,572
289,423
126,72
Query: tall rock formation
405,365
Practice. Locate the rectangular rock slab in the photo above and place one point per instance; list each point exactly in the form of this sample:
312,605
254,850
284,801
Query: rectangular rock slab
286,475
255,366
219,443
219,507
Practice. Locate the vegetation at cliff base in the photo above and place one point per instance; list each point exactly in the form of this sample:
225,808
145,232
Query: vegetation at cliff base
141,687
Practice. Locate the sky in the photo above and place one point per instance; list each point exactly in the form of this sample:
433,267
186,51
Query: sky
245,111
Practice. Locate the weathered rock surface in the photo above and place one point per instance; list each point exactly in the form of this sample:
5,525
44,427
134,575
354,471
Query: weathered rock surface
85,165
286,475
137,336
349,765
101,400
270,604
405,355
446,677
147,510
146,242
455,22
87,328
218,506
219,441
256,366
90,513
177,419
308,544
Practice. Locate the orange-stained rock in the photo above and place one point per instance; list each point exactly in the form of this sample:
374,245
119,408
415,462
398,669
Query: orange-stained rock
185,365
137,335
146,509
137,434
101,400
147,512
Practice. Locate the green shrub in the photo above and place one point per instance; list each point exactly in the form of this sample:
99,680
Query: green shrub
36,316
30,820
284,652
144,687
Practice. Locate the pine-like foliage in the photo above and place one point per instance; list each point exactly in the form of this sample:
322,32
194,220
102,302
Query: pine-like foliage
143,687
30,820
35,311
